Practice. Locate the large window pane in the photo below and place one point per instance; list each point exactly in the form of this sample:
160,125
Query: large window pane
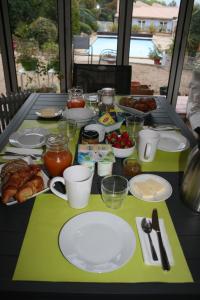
94,29
192,59
35,42
152,36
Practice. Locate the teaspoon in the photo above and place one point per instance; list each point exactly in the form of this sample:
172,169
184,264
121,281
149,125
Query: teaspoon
147,228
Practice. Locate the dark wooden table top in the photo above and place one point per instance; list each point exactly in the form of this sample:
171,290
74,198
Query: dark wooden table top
14,220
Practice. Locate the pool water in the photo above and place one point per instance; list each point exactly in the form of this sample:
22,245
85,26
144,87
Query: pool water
139,47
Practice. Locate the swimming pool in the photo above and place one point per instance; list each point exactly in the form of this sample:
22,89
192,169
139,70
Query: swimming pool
139,47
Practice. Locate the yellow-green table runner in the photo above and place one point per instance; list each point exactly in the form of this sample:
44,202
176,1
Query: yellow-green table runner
41,260
163,162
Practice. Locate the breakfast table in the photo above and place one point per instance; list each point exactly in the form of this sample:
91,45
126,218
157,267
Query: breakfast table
30,258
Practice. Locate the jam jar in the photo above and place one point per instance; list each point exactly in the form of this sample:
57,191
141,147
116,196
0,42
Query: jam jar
57,156
90,137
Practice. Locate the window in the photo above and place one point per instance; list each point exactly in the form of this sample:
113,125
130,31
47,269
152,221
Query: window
151,50
35,44
95,31
191,59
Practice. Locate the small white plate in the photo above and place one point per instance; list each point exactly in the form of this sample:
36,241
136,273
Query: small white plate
172,141
97,241
154,198
49,112
45,179
29,138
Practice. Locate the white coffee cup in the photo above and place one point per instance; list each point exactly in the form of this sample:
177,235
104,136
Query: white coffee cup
148,142
78,181
99,128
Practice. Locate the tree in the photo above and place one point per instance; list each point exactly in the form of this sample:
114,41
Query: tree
194,34
75,17
43,30
172,3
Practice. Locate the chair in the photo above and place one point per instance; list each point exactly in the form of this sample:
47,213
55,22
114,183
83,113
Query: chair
108,55
9,105
82,43
95,77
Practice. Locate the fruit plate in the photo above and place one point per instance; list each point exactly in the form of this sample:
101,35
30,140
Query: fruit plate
44,176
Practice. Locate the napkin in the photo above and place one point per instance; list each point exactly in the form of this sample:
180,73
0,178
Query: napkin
145,245
24,151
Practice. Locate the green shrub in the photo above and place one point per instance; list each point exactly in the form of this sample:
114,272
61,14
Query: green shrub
43,30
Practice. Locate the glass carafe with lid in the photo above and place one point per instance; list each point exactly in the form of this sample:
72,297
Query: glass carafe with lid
190,188
57,156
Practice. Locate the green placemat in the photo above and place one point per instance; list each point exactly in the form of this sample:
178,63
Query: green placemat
52,127
41,260
166,161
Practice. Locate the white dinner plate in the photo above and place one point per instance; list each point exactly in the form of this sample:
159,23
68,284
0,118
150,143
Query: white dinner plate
49,112
45,179
97,241
172,141
29,138
158,197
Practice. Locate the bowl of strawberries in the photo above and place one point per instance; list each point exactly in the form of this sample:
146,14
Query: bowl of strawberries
122,144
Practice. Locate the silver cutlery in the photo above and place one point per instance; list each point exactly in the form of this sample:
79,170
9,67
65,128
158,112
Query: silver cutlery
163,253
33,156
147,228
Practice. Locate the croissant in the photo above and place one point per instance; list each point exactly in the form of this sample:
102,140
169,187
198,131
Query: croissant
16,180
30,188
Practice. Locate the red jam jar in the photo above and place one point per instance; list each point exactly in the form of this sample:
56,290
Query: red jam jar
57,156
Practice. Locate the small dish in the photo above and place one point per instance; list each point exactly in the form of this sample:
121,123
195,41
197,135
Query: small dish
123,152
29,138
172,141
148,192
49,112
82,116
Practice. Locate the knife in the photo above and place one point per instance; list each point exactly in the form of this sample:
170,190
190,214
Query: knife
163,253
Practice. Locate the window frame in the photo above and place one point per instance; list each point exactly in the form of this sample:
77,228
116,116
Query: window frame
124,35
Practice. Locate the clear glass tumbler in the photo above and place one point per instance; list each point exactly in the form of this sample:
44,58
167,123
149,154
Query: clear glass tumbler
114,189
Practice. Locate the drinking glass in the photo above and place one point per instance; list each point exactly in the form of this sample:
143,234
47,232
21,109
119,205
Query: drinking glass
134,124
67,128
114,189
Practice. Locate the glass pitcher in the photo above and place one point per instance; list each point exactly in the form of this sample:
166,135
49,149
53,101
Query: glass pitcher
76,98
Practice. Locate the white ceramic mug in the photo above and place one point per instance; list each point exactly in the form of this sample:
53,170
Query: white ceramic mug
148,142
78,181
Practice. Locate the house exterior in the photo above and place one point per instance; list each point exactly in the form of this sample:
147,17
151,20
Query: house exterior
162,18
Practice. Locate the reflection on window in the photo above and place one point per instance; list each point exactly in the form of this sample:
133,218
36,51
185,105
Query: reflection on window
151,46
192,59
35,43
2,79
94,29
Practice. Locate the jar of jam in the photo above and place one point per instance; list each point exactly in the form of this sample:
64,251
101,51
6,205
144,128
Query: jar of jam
90,137
57,156
131,167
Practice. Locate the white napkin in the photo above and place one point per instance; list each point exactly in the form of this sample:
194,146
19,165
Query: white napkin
24,151
21,151
145,245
